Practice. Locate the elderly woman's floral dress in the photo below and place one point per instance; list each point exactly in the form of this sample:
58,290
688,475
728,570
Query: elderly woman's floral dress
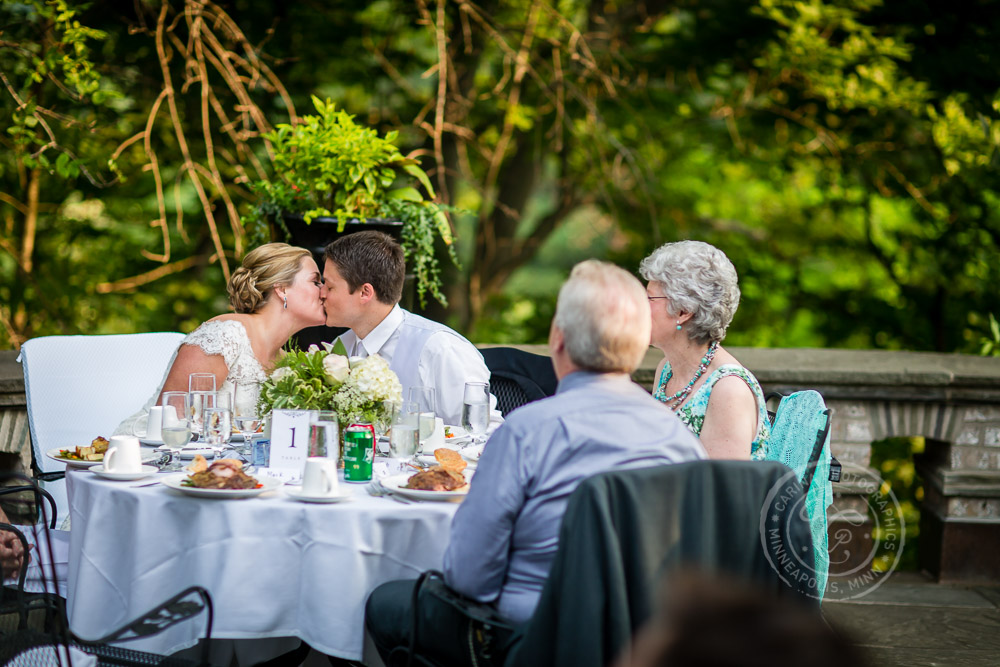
692,412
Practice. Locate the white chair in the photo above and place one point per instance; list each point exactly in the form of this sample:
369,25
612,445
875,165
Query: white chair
80,387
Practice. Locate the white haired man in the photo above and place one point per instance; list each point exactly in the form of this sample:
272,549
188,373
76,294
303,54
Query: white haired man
505,534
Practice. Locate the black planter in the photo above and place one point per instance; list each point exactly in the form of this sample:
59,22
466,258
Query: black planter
322,231
315,236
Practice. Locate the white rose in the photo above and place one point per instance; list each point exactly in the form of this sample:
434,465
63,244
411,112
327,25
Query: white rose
280,372
336,368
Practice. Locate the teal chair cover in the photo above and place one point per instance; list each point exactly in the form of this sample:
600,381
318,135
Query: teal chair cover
800,438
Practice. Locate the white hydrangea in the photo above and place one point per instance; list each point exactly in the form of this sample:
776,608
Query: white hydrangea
375,380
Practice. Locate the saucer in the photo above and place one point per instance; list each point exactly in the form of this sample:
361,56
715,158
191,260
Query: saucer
295,493
146,471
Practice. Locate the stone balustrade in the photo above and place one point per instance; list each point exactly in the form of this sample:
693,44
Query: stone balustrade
951,400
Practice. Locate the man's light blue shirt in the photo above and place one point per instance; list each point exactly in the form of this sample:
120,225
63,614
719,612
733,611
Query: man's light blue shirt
506,532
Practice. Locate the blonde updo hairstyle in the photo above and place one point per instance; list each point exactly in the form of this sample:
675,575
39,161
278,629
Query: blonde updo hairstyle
264,268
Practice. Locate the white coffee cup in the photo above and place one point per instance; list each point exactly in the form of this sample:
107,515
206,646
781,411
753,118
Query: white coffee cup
154,422
123,454
319,478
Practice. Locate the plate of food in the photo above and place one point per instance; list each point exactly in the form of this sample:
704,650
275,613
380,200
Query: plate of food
220,479
454,435
445,481
81,457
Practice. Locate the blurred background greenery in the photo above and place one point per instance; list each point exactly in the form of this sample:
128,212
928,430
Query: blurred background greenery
842,153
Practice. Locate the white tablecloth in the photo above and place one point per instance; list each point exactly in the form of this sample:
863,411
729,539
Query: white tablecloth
274,567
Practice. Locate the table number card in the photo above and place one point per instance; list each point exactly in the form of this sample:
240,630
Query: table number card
289,443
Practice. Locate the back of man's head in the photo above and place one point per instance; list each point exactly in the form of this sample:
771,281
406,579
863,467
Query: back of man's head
603,315
370,257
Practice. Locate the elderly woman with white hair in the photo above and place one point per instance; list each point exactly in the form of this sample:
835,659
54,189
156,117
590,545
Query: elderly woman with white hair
693,295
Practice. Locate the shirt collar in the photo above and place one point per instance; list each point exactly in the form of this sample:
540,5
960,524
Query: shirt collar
378,336
584,378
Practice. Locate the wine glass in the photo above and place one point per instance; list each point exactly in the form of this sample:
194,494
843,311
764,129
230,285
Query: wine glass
476,410
404,436
200,387
176,429
424,397
245,416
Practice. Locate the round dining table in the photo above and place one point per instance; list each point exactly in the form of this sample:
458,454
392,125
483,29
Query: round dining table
274,566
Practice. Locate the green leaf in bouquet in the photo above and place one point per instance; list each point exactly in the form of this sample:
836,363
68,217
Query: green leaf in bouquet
339,348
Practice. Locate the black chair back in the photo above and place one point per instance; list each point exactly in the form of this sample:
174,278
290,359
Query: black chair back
625,532
518,377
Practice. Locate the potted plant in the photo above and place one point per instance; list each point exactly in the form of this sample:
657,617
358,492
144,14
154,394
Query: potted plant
332,175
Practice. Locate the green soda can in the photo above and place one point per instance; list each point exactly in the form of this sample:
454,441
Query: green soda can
359,452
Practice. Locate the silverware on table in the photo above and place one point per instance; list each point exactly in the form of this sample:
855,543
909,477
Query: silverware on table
376,489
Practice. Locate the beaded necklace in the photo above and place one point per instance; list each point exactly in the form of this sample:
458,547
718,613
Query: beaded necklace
674,401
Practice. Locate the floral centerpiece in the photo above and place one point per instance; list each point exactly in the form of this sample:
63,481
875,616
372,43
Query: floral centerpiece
326,379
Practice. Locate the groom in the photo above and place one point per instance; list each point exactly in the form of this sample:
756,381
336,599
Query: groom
363,276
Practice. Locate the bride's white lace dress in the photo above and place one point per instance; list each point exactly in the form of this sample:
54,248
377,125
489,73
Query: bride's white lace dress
224,337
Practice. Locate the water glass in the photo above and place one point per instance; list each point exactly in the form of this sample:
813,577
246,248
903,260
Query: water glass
324,439
476,409
218,426
425,398
404,436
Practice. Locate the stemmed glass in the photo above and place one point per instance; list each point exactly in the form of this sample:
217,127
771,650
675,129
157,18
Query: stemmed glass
476,410
245,417
201,386
424,397
404,436
176,429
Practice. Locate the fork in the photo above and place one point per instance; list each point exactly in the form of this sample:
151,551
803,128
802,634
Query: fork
376,489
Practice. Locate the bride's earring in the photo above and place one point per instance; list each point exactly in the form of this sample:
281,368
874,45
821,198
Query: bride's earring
285,302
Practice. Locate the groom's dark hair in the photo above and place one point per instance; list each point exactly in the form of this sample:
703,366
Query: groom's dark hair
370,257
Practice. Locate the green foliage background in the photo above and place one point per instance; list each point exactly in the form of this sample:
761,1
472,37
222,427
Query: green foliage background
842,153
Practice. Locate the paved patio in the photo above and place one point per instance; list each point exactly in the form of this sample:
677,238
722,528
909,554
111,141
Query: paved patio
913,621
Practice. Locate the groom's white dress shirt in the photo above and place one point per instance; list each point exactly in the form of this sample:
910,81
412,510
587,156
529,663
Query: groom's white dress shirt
424,353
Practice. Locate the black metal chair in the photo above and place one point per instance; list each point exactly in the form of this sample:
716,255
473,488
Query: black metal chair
518,377
33,626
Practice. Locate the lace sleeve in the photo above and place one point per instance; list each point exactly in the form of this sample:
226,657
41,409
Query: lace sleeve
222,337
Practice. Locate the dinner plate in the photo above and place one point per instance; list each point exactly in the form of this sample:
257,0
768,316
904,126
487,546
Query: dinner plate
267,484
459,435
146,471
54,454
295,493
150,442
397,484
471,453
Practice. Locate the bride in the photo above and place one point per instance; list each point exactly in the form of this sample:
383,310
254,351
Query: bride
276,292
